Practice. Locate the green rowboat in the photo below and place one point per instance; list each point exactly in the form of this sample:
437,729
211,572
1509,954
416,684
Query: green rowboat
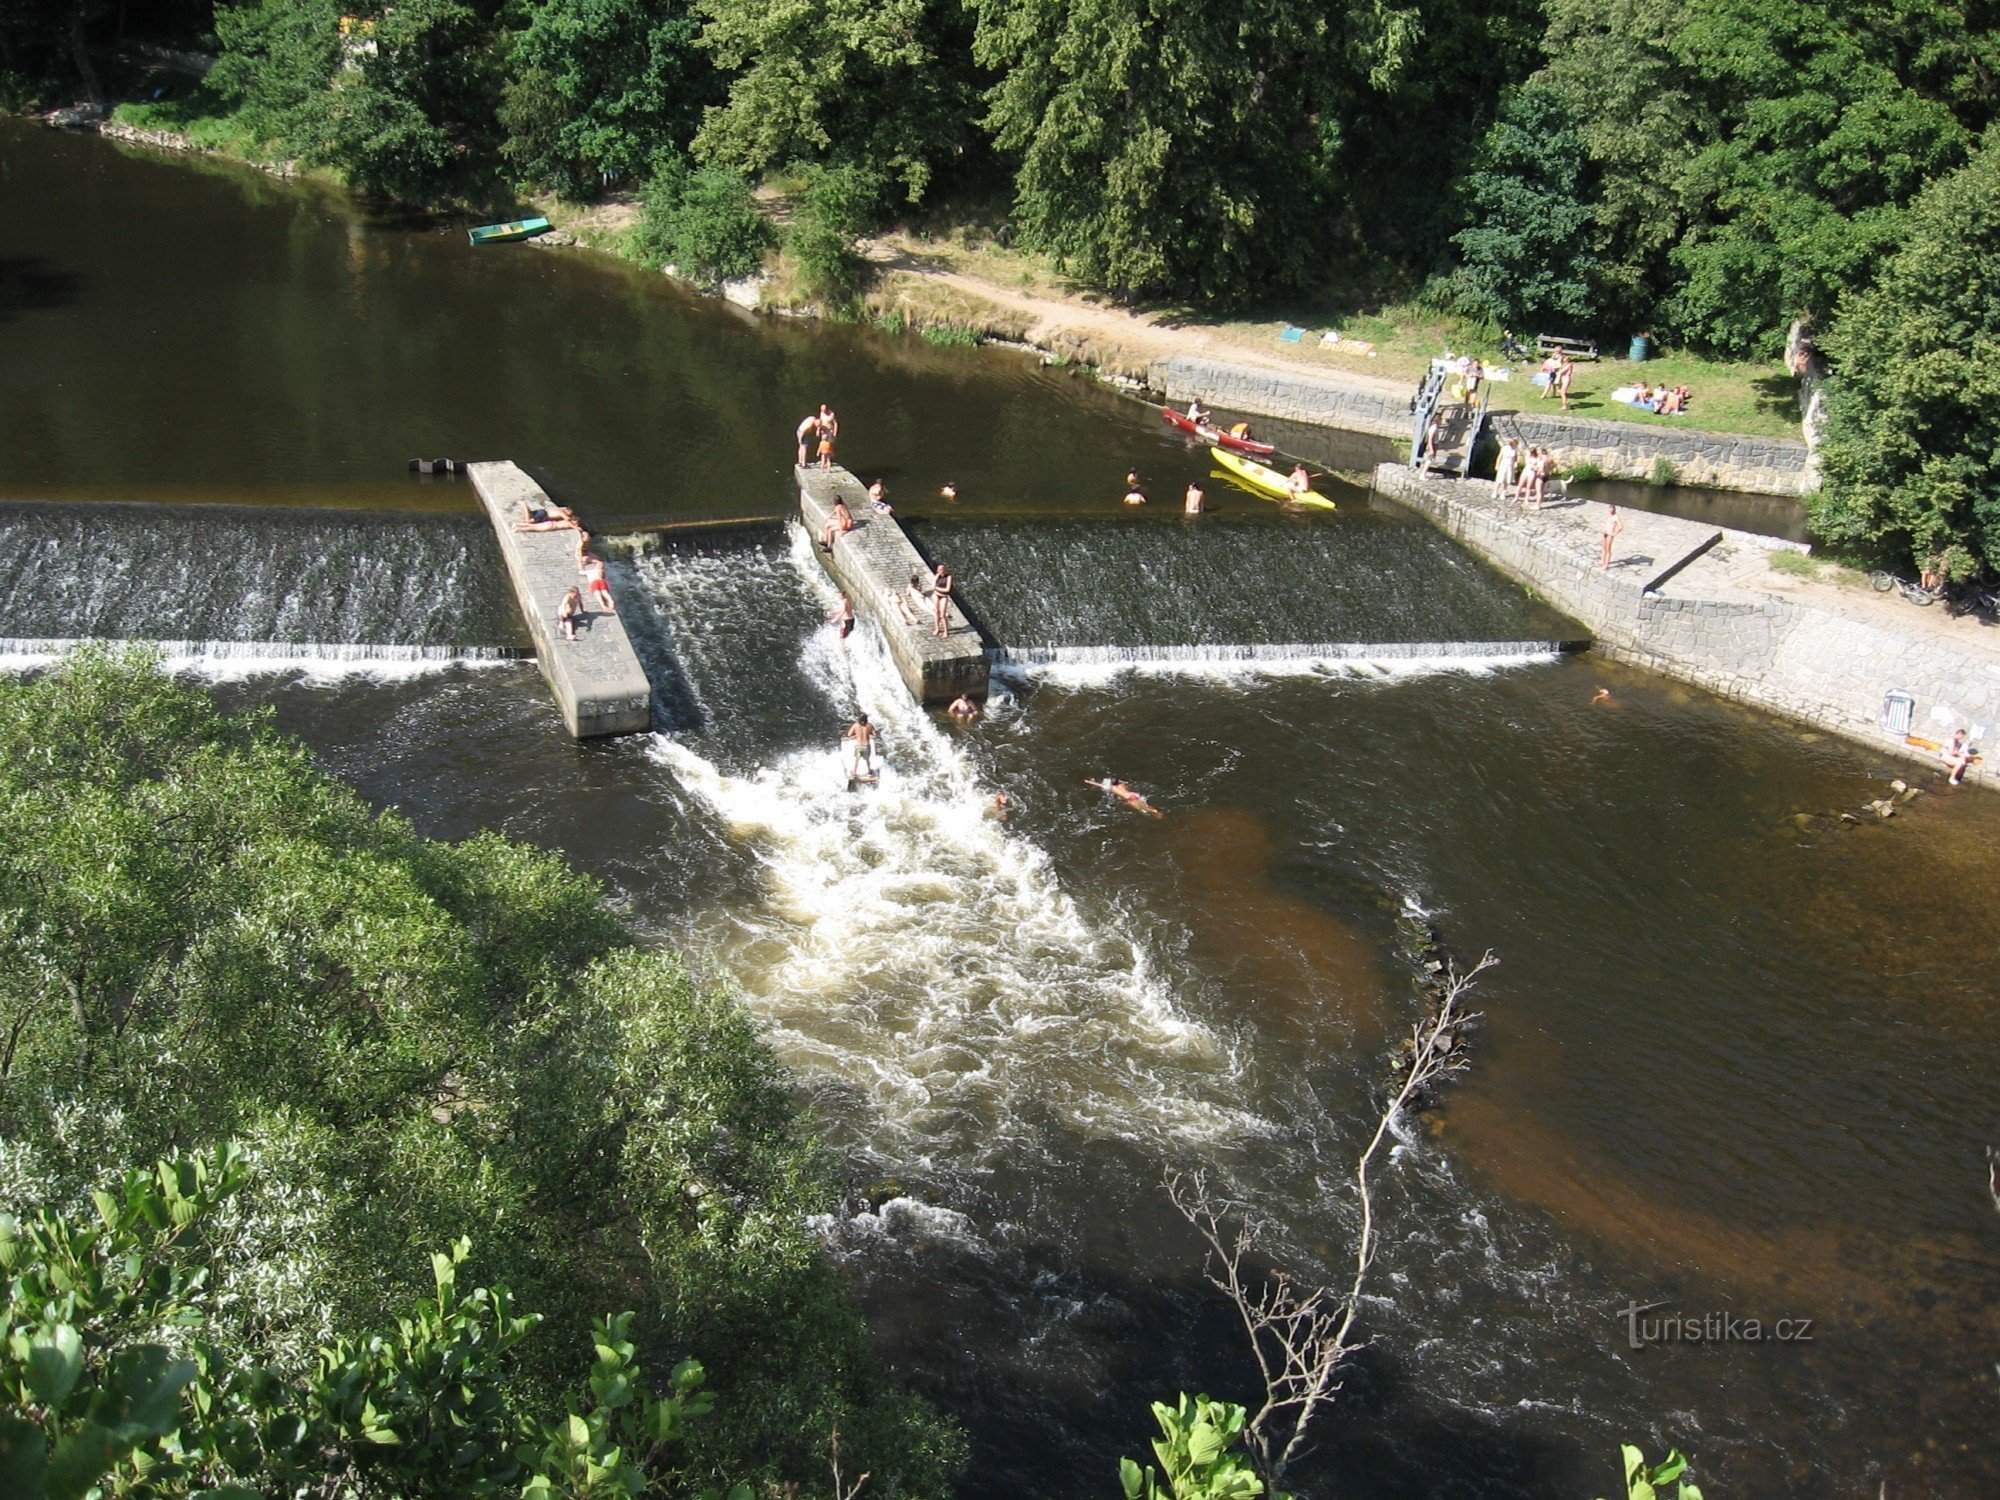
520,229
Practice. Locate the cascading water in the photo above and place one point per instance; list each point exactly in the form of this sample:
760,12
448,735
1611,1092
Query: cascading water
226,592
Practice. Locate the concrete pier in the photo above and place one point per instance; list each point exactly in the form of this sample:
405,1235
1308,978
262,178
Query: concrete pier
597,681
873,564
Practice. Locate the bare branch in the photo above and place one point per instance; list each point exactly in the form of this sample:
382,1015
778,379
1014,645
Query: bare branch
1301,1338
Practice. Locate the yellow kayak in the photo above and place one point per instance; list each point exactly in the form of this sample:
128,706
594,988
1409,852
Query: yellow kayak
1266,481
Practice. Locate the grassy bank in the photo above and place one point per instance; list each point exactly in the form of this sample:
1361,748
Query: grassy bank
1383,338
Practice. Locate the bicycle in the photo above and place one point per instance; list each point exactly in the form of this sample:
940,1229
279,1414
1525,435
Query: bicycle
1916,593
1975,599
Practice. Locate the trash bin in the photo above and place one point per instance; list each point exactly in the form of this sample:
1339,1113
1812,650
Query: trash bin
1642,348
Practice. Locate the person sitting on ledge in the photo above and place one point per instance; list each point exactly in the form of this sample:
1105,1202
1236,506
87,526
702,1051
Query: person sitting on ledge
1956,755
547,516
837,526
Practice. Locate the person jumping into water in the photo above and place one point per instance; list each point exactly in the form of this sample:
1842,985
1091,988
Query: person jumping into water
860,739
1124,793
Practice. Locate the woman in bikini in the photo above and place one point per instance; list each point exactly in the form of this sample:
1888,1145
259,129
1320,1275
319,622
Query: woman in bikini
941,584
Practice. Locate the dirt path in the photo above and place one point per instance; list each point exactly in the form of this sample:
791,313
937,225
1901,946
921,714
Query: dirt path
1143,336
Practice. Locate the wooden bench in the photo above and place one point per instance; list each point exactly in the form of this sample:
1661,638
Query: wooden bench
1549,343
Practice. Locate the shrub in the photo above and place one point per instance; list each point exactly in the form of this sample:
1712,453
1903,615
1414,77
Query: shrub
1663,472
702,221
836,206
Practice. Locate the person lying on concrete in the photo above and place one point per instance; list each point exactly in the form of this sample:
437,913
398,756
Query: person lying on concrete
837,526
1124,793
964,710
569,612
597,586
547,516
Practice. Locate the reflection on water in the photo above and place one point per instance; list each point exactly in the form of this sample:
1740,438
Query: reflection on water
1721,1064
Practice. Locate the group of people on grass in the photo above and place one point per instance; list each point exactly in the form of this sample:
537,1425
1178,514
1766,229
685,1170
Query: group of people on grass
545,515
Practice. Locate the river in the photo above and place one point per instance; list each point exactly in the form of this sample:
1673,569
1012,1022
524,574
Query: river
1725,1064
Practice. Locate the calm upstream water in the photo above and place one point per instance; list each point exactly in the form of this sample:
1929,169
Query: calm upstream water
1725,1064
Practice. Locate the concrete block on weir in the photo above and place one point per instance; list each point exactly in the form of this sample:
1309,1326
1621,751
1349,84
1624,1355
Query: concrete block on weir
872,564
597,681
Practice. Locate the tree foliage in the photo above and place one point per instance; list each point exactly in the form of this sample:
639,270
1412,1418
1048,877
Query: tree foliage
202,938
881,84
702,221
1911,456
1524,255
598,89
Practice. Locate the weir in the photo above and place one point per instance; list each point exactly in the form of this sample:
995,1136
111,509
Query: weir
873,564
597,681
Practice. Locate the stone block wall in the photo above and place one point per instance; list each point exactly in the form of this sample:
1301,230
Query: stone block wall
1323,401
1627,450
1792,658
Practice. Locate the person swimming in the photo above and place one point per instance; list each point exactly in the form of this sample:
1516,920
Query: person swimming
1125,794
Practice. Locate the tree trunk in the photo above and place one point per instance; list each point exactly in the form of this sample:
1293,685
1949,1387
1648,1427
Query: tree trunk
79,48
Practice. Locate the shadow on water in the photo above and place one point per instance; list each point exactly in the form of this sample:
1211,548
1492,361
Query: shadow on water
30,284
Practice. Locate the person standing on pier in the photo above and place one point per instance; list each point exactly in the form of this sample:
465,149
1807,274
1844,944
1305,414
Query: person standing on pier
1613,529
1505,467
569,612
808,431
941,585
829,429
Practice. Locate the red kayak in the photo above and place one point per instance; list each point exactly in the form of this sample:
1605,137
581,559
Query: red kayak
1215,435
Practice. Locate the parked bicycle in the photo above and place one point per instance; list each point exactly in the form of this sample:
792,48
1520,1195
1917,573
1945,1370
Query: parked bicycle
1916,593
1975,599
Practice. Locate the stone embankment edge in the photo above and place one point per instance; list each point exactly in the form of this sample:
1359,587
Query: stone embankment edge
1620,450
1794,659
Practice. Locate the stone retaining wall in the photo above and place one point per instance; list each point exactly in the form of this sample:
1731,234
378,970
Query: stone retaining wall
1620,450
1627,450
1796,659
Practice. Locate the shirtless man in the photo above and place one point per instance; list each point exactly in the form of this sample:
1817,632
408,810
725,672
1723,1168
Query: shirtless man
1298,484
949,491
1197,412
879,493
964,710
842,615
1126,795
1195,496
547,517
1001,808
837,526
860,739
1135,496
597,589
808,431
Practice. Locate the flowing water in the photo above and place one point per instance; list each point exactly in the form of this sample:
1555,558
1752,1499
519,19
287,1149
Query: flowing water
1724,1063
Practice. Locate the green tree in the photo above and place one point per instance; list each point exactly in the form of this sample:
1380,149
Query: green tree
1524,255
1162,148
702,221
1910,462
277,59
836,205
599,88
202,938
878,83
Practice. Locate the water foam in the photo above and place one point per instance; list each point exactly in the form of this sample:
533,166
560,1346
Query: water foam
227,661
1088,666
916,949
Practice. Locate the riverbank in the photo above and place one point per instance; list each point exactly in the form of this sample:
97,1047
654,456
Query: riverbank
1719,609
1347,384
